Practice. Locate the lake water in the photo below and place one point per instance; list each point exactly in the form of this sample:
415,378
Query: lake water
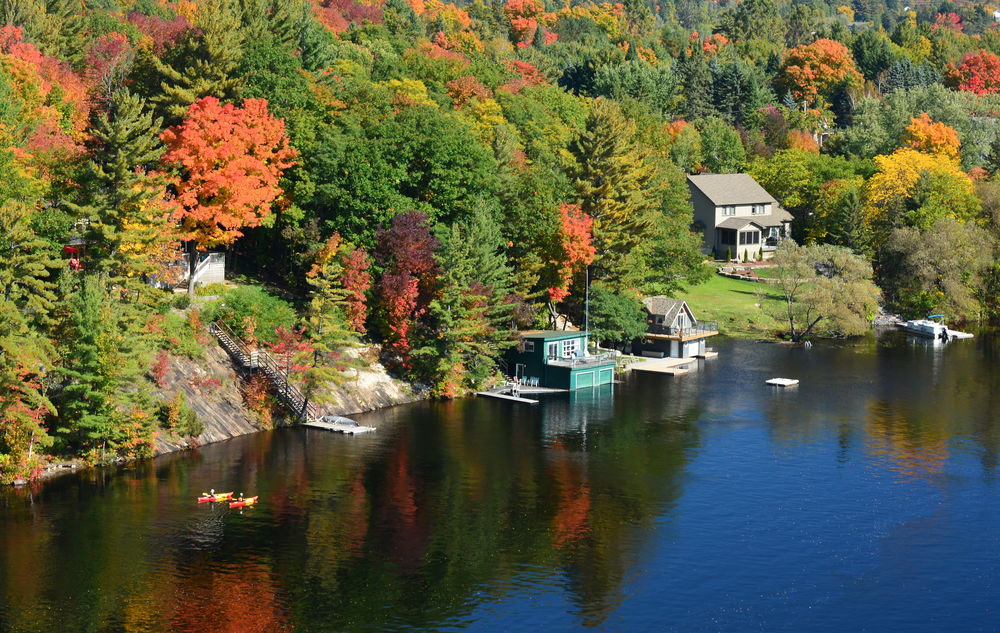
865,499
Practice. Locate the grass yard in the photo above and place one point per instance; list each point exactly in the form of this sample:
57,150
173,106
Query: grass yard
735,304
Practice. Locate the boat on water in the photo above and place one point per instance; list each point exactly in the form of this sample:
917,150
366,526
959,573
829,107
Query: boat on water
239,503
930,328
214,497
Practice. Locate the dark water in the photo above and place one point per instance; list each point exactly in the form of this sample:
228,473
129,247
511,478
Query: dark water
863,500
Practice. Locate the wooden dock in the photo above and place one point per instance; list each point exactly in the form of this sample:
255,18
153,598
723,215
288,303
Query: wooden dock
670,366
348,429
707,354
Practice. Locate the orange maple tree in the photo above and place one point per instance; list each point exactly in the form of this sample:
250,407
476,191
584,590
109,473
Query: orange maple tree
814,70
230,161
576,246
926,135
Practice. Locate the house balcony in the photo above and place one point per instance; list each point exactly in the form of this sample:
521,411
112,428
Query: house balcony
581,362
702,329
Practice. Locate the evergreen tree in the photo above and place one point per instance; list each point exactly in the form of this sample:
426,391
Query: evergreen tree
25,359
697,79
101,401
616,183
203,61
326,319
124,198
26,262
472,311
872,53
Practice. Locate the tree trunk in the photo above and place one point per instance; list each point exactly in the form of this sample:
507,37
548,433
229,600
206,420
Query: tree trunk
192,265
808,330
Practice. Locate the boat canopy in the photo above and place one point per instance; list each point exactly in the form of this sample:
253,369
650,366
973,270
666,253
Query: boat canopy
936,316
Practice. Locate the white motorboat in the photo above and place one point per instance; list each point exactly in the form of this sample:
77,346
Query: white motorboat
930,328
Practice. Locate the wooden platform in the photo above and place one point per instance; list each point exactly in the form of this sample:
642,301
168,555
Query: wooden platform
783,382
338,428
707,354
671,366
506,396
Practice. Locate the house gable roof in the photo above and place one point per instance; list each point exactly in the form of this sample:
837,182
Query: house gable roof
666,306
725,189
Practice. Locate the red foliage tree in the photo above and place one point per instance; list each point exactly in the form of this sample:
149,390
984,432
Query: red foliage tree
978,73
524,16
292,344
406,250
109,60
163,32
230,161
576,248
357,281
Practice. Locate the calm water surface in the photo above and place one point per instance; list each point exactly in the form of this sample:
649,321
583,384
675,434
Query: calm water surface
866,499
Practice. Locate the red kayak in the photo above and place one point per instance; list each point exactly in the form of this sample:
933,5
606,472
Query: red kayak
249,501
219,496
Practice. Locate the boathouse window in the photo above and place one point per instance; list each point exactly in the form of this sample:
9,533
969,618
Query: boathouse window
569,347
529,346
553,350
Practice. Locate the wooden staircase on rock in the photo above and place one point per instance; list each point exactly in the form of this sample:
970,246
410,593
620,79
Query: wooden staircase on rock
255,361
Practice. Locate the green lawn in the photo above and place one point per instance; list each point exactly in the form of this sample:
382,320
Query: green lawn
734,304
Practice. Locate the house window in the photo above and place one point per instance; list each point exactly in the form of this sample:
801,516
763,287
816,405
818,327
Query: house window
529,346
750,237
727,236
569,347
729,210
758,209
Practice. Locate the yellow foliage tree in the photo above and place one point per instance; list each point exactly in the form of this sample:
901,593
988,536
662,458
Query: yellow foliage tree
888,192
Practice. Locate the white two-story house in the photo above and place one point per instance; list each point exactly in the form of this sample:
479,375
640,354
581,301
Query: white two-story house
736,216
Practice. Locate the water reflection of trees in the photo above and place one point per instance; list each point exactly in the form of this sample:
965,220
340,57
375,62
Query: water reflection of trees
907,403
448,505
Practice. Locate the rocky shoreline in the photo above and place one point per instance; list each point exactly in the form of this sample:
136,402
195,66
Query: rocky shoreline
211,388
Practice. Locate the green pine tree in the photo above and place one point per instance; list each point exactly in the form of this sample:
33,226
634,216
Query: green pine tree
203,62
102,402
617,184
471,314
326,322
26,265
124,201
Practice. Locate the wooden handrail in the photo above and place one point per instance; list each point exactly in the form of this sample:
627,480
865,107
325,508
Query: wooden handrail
287,393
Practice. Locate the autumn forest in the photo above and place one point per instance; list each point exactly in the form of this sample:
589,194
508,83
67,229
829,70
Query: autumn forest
424,178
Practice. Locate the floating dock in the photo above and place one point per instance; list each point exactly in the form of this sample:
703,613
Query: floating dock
339,427
671,366
506,396
783,382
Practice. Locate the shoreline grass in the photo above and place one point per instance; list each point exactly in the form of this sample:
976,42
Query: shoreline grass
736,305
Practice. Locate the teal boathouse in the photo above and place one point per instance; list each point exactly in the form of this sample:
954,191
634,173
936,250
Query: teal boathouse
558,359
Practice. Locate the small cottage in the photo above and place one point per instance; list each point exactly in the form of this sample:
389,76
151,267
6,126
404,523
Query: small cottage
558,359
672,330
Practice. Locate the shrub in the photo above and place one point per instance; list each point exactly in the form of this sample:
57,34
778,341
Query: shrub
177,336
247,304
212,289
181,302
160,367
729,254
177,417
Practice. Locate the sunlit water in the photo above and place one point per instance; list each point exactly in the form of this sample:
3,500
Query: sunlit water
865,499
